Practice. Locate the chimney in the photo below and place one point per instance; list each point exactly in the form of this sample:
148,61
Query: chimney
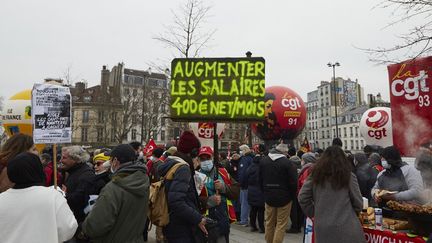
80,86
105,73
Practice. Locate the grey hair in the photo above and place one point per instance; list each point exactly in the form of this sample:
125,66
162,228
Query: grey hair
77,153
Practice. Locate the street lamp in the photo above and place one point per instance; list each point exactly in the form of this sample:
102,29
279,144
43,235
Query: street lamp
334,65
144,86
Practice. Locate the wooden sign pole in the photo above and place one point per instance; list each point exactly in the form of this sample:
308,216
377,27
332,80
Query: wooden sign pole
55,165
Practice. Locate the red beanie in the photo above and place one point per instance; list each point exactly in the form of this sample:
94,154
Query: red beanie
187,142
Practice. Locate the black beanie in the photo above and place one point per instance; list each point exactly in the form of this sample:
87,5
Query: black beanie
26,170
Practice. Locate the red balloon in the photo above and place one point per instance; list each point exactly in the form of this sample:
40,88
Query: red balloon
285,115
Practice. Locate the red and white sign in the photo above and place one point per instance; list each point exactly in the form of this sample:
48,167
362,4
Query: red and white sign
410,97
386,236
204,131
376,127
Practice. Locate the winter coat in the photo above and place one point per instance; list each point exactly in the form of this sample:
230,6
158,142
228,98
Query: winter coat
406,177
120,212
100,181
79,184
365,178
334,211
278,178
49,175
232,168
255,193
245,162
303,175
182,197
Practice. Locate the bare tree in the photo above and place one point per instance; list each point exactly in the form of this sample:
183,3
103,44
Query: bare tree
67,75
417,41
186,34
157,101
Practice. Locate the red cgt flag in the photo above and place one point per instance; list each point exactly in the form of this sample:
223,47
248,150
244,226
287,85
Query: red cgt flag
150,146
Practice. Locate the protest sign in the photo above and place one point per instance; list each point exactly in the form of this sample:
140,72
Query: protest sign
217,89
51,114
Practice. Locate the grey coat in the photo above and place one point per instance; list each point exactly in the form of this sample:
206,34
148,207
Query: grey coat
334,211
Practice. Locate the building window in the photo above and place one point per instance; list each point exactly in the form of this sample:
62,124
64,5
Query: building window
327,123
134,119
155,135
323,134
356,131
162,122
100,117
345,132
351,132
134,92
362,143
357,145
352,144
85,117
113,135
134,133
328,134
99,134
162,135
126,91
339,131
84,132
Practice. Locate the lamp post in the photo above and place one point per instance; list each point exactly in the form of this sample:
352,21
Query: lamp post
144,86
334,65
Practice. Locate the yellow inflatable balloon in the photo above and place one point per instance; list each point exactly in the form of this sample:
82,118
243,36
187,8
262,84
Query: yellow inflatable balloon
16,117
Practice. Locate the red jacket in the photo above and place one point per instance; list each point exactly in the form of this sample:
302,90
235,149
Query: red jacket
304,174
49,176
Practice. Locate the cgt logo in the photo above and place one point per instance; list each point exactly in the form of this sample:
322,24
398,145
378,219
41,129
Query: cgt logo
376,121
205,130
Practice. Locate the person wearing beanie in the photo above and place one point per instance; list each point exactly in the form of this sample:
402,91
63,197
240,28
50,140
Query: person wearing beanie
188,142
29,211
245,161
292,153
278,178
402,180
118,214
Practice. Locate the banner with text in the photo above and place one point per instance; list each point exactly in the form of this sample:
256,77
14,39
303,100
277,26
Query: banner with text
217,89
51,114
410,99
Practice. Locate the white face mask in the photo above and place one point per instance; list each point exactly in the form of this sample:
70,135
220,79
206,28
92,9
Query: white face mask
385,164
140,155
207,165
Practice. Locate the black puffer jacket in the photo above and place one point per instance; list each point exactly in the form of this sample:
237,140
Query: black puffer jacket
79,184
364,173
255,193
100,181
278,178
182,200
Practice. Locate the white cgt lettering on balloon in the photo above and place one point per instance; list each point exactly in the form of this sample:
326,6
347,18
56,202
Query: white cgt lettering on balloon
376,127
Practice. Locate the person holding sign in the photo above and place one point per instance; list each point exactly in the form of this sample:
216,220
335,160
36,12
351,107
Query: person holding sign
217,193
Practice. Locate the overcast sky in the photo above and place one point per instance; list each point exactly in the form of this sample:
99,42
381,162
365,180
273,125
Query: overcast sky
40,39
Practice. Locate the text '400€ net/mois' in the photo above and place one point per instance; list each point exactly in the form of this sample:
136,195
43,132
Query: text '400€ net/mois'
218,89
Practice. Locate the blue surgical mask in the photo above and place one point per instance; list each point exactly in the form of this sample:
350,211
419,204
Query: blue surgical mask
385,164
207,165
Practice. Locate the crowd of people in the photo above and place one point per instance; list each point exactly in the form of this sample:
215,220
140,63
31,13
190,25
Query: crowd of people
103,196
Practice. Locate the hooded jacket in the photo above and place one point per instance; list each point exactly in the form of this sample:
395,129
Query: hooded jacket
120,212
182,200
245,162
278,178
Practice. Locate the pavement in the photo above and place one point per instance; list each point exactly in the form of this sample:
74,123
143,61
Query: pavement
241,234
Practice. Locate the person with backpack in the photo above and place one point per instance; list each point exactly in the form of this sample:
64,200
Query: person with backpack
218,191
184,217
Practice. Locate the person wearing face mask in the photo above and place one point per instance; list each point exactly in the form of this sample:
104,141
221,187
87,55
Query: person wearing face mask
402,181
101,171
119,212
245,161
217,193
